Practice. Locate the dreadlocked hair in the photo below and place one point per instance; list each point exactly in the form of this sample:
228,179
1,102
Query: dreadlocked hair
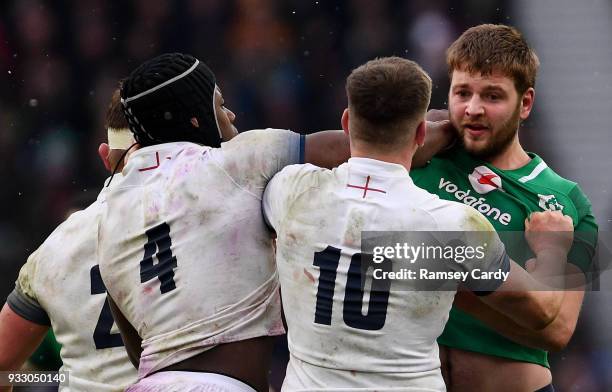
162,96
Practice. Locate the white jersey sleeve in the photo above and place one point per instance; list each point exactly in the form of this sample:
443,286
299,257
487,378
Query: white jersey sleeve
60,276
22,299
253,157
282,190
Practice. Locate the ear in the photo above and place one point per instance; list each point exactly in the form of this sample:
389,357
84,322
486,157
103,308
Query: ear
421,131
194,122
527,102
103,151
345,121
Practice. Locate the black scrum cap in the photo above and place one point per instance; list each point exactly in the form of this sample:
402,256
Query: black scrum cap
163,94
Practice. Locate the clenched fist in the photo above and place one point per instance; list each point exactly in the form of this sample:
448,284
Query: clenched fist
549,230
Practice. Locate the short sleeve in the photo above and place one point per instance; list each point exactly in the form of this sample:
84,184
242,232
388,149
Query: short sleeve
252,158
585,232
23,299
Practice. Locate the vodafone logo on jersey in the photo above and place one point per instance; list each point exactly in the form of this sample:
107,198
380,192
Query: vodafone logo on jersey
484,180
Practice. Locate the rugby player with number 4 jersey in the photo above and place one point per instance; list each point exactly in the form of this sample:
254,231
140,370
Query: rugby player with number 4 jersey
493,72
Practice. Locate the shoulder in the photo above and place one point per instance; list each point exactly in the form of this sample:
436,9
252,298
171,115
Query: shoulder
455,216
551,179
260,138
301,176
303,170
266,149
555,192
544,177
75,233
80,220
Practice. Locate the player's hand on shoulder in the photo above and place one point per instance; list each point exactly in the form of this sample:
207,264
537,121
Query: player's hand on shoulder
549,230
439,136
437,115
439,133
439,124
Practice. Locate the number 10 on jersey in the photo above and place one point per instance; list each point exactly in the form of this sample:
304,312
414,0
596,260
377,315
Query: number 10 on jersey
328,261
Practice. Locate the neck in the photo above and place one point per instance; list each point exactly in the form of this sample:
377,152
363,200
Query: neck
513,157
402,157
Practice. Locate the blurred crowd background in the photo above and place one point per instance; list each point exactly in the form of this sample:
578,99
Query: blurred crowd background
283,64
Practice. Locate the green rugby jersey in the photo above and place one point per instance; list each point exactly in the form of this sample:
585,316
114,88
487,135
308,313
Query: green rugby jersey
506,198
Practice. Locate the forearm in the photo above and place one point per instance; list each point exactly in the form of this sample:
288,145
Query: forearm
18,340
525,300
554,337
549,286
327,149
505,325
549,269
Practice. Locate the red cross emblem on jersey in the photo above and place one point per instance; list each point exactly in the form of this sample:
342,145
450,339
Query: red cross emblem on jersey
153,166
365,188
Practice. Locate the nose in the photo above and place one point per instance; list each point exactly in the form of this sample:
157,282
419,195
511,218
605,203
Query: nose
474,107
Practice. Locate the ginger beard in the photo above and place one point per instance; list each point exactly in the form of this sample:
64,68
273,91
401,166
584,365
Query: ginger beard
493,140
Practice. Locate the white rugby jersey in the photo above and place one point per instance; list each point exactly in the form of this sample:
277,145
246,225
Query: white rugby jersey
183,247
60,286
340,334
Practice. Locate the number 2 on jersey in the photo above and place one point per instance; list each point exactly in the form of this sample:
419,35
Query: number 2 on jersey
328,261
102,336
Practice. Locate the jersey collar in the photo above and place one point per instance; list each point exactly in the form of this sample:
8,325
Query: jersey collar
534,167
162,147
381,168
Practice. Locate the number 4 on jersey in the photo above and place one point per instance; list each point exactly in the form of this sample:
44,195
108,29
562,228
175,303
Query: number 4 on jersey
158,239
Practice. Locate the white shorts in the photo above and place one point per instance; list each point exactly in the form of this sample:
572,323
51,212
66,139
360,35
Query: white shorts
189,382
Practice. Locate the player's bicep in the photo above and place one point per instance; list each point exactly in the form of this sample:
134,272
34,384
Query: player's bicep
327,149
18,338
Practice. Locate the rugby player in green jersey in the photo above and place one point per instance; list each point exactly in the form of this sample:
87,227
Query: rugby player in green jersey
493,72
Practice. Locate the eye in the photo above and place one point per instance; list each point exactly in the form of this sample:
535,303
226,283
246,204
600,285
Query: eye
493,97
462,93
